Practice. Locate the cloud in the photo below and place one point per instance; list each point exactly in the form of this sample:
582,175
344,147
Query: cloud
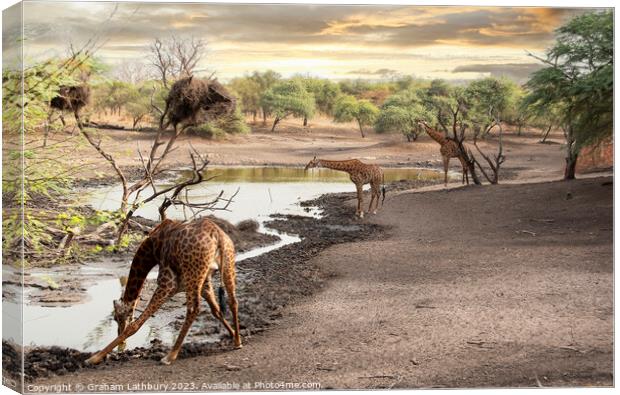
384,72
519,72
297,38
399,26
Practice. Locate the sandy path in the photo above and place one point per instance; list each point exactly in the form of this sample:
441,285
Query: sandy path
470,287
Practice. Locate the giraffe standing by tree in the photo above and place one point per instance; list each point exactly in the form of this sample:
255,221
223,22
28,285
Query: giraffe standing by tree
449,149
361,174
188,253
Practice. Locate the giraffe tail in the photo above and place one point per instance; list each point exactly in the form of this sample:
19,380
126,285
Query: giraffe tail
221,292
221,299
383,188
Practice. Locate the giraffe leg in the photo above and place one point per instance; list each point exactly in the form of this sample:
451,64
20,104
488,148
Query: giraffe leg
209,296
376,196
193,308
465,170
165,290
372,199
360,200
229,279
446,163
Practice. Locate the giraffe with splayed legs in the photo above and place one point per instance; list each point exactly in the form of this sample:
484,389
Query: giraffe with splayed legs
360,174
449,149
187,253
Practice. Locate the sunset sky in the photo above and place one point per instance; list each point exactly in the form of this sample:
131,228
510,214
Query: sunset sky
328,41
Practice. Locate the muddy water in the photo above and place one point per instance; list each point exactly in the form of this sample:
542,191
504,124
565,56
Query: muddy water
258,193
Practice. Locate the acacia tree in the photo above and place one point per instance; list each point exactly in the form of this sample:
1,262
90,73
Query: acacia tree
288,98
401,113
325,94
348,108
488,101
248,90
265,81
578,82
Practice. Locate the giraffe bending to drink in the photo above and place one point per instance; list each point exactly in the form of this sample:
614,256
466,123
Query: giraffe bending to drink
361,174
188,253
449,149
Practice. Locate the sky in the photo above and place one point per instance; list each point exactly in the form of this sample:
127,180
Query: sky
337,42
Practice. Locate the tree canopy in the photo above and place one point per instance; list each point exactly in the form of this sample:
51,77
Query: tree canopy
578,82
288,98
401,113
348,108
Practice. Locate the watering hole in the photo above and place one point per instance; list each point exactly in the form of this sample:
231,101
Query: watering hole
258,193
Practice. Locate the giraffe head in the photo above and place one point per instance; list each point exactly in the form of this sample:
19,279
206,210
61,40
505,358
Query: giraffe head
123,314
313,163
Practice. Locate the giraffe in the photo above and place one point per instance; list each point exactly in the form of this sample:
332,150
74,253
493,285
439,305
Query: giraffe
449,149
361,174
187,253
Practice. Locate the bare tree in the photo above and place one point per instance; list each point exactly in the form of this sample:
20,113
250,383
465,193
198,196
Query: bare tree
132,71
494,161
176,57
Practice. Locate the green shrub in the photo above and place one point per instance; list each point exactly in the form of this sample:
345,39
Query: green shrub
228,124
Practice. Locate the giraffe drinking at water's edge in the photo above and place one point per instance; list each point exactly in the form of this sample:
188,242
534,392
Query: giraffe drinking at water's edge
188,253
361,174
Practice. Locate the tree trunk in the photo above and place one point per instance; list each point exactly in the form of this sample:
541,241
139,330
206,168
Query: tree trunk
519,130
305,121
569,171
254,113
361,129
571,153
275,122
264,117
472,171
544,137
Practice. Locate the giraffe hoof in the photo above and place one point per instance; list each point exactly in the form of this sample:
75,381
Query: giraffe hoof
94,360
374,212
238,346
166,360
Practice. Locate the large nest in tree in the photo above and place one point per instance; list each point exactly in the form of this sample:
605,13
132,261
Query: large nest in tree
193,101
71,98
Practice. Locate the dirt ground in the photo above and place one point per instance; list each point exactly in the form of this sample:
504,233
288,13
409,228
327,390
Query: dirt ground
497,293
294,145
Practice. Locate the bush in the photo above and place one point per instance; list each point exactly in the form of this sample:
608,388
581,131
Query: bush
218,128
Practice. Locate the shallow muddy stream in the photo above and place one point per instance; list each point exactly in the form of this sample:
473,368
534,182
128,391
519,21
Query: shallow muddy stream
260,193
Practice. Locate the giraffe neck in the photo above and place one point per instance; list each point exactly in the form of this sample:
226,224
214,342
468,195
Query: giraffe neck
435,135
141,265
341,165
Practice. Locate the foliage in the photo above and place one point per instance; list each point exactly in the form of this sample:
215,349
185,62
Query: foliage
489,100
248,91
325,92
401,113
138,105
578,81
348,108
218,128
113,95
288,98
265,81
